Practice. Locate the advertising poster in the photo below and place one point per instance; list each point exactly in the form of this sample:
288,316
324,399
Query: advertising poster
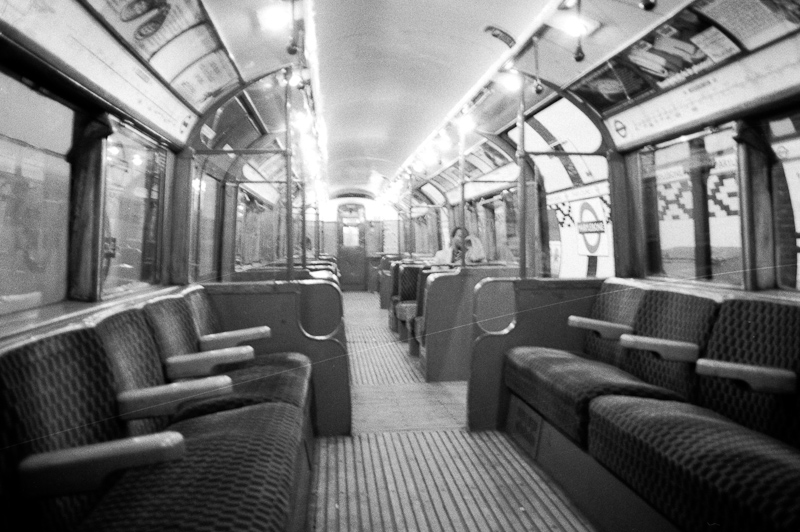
674,52
178,41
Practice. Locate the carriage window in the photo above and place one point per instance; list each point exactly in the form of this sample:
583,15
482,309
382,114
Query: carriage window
35,135
691,198
256,230
135,172
784,137
206,192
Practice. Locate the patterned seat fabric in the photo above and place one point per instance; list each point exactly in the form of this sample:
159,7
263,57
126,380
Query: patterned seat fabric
702,471
133,355
560,385
671,316
406,311
237,474
407,285
56,392
617,302
760,333
280,377
284,378
205,318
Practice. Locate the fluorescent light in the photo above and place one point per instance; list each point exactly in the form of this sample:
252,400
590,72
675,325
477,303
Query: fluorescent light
510,81
275,17
571,24
465,123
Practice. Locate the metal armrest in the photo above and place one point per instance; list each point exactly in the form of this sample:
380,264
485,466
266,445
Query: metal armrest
202,364
85,468
671,350
164,400
225,339
758,378
606,329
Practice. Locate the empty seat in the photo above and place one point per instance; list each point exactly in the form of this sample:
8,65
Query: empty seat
239,469
282,376
134,356
560,385
405,308
739,471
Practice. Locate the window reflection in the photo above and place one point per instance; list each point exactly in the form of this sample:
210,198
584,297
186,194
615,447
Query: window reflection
34,198
135,168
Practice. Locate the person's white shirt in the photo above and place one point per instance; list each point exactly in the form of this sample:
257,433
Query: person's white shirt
442,256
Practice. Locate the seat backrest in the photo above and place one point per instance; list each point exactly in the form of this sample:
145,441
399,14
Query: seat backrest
670,315
205,318
761,333
422,279
407,288
617,302
173,327
396,278
56,392
133,355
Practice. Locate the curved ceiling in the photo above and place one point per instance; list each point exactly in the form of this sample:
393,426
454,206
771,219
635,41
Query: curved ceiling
390,71
387,74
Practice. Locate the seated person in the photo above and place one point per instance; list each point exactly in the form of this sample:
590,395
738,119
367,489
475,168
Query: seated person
474,249
453,254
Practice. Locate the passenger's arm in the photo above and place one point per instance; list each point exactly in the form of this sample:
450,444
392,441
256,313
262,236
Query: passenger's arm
85,468
671,350
759,378
606,329
225,339
202,364
164,400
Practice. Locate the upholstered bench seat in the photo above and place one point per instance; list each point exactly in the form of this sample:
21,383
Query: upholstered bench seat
239,473
406,310
698,468
282,377
136,356
560,385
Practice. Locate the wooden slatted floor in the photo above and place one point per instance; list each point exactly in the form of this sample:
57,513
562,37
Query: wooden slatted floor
433,480
376,355
411,464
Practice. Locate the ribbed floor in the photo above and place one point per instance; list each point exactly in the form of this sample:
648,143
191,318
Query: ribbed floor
410,464
376,355
437,480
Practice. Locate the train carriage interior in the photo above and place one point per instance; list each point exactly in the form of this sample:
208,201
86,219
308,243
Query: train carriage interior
301,265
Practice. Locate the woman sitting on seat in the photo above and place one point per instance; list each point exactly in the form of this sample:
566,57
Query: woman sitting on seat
453,254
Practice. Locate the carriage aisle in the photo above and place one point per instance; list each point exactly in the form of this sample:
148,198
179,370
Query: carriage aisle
411,464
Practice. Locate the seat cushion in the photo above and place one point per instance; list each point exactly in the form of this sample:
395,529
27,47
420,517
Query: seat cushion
559,385
238,474
406,310
698,468
280,377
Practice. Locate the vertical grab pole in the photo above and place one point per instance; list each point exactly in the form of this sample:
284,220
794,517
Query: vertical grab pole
411,243
316,232
522,201
462,139
303,222
289,183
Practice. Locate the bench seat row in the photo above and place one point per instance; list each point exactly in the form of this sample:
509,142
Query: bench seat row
689,399
151,418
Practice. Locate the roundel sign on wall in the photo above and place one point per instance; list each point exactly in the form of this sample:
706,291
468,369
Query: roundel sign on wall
593,240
